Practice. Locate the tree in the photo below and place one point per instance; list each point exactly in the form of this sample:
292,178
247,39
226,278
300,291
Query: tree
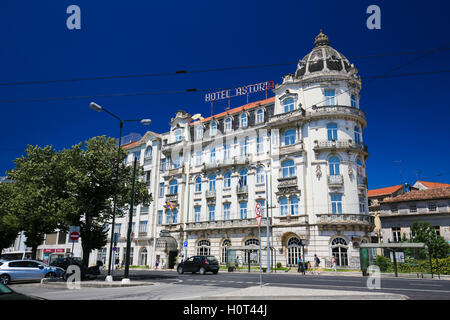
92,175
40,196
424,232
9,224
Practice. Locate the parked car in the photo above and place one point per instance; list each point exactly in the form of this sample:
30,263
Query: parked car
27,270
65,261
8,294
201,264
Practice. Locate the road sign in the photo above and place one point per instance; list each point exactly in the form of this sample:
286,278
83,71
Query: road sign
185,244
74,236
258,214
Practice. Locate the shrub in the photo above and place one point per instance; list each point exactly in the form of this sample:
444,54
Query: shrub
383,263
279,265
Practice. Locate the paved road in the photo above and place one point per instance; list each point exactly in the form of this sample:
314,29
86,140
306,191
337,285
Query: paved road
170,285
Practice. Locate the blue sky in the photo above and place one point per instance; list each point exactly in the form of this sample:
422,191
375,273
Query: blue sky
407,116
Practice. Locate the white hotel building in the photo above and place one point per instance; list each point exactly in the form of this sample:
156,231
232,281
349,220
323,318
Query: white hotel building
207,174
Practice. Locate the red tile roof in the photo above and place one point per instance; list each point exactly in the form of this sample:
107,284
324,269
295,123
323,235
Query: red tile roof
433,185
247,106
428,194
383,191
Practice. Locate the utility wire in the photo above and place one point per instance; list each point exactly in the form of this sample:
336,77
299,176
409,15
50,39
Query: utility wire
195,90
178,72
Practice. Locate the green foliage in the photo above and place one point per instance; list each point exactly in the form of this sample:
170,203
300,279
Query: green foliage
383,263
441,266
9,223
279,265
424,232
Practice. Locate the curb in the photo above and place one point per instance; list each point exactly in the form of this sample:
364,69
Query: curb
97,284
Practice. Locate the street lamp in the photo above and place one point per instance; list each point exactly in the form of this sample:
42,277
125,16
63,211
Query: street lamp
99,108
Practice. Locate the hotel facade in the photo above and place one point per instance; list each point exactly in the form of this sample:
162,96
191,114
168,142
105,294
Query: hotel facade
299,154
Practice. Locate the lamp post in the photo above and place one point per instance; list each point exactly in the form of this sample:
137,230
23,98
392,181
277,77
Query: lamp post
98,108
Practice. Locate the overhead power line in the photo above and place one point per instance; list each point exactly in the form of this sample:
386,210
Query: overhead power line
178,72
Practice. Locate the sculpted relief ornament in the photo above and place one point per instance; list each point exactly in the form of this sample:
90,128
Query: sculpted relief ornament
318,172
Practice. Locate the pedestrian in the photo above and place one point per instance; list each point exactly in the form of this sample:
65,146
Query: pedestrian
308,266
333,264
156,264
316,264
299,262
301,266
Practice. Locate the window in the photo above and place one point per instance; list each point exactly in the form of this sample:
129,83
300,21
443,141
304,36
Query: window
284,206
332,131
329,97
225,245
213,128
288,168
177,161
244,146
203,248
362,205
161,189
243,209
437,229
288,105
243,178
197,213
396,235
260,175
226,211
432,207
212,157
200,132
289,137
333,164
227,124
293,251
175,215
263,207
178,135
148,152
259,116
413,209
336,203
359,168
198,184
226,152
253,253
394,209
244,120
198,158
357,132
353,100
259,145
137,155
294,205
173,187
212,183
339,251
211,212
143,257
142,226
227,180
117,228
163,165
160,214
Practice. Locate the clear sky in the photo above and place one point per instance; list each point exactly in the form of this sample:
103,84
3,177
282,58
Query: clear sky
408,117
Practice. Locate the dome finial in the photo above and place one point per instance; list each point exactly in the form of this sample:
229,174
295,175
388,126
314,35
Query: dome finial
321,40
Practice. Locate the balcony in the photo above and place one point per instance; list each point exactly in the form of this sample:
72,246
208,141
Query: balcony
348,145
291,220
345,221
288,182
362,182
281,119
224,224
210,194
292,148
335,181
337,111
241,160
174,171
145,209
167,148
242,190
172,197
172,227
148,160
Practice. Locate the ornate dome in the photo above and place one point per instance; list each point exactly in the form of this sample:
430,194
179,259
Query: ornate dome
324,59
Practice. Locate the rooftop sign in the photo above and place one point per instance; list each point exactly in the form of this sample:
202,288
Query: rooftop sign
239,91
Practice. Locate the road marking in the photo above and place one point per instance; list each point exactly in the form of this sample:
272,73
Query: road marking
425,284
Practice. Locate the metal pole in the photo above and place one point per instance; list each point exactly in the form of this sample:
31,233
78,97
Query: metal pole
260,269
127,263
115,200
267,223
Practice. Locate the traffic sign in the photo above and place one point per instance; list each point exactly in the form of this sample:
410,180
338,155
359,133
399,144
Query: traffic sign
74,236
258,214
185,244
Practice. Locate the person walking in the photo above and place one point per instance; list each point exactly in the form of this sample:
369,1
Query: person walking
316,264
299,262
301,267
333,264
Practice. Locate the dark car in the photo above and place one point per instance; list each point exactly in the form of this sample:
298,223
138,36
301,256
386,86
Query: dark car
8,294
201,264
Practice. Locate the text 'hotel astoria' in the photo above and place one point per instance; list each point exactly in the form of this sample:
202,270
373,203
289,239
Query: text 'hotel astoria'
207,174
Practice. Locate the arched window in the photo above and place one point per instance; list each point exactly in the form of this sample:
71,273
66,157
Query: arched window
143,257
203,248
212,183
260,175
339,251
228,124
259,116
294,251
357,132
288,168
173,187
289,137
284,206
198,184
225,244
213,128
227,180
243,178
288,104
333,164
148,152
244,120
178,135
332,131
294,205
